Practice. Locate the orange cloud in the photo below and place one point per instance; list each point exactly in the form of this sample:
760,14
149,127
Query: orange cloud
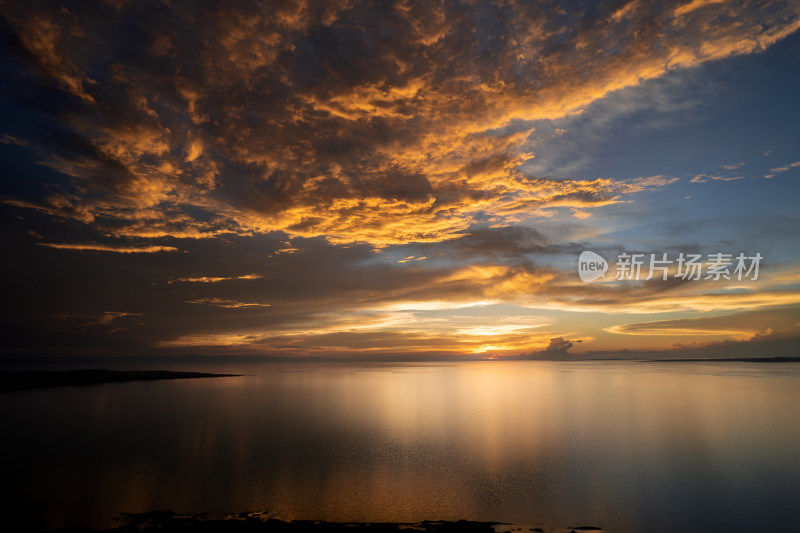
226,303
213,279
403,135
110,248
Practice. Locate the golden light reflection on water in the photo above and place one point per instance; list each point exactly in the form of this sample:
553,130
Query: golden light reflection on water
622,445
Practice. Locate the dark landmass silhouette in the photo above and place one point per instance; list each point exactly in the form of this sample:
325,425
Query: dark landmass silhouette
169,521
35,379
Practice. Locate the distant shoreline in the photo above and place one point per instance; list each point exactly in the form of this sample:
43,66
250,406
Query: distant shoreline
727,359
167,521
12,381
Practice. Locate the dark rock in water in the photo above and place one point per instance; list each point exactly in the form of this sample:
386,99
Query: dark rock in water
586,528
168,521
36,379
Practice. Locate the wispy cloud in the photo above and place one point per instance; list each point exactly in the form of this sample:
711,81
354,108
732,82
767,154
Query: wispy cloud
733,166
703,178
10,139
98,247
785,167
213,279
226,303
741,325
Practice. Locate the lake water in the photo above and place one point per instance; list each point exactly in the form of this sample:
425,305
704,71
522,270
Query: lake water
630,447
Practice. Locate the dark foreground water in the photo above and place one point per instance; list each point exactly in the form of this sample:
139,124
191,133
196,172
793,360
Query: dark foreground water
630,447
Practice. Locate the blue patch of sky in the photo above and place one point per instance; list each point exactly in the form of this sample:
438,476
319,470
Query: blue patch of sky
740,112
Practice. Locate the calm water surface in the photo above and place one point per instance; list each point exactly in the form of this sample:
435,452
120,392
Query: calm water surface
629,447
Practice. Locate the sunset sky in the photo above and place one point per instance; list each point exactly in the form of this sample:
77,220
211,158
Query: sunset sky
386,180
